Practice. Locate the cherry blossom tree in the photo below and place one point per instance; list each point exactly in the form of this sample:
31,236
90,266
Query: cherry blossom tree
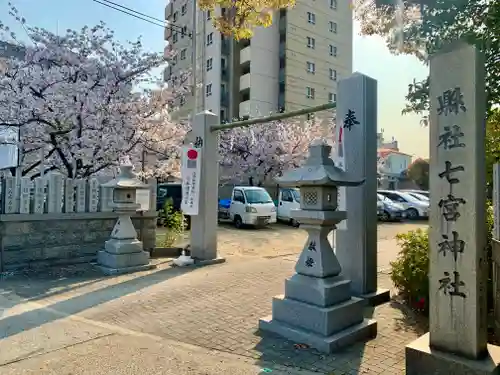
263,152
81,101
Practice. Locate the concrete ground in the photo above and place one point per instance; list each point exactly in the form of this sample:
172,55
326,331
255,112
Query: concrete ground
182,321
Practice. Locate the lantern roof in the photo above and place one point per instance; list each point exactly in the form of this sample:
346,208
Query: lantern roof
319,169
126,179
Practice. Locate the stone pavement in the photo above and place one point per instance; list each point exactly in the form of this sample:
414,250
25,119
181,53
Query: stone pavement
174,321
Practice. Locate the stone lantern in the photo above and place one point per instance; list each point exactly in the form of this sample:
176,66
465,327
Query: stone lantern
318,308
123,252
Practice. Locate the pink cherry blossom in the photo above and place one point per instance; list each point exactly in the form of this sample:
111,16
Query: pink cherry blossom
82,101
259,153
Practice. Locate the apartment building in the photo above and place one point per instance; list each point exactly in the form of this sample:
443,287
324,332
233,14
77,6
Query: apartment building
293,64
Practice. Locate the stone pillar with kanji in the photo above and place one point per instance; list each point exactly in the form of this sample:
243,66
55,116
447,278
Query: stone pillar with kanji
318,308
458,263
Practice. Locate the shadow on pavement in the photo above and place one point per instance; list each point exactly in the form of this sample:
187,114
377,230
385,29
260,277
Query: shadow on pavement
27,320
277,351
411,320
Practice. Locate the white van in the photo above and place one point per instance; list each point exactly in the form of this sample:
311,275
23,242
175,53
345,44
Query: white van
249,205
288,200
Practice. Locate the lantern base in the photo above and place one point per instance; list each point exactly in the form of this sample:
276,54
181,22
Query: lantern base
367,329
120,271
123,263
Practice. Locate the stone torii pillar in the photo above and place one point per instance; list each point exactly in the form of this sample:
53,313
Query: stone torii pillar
317,308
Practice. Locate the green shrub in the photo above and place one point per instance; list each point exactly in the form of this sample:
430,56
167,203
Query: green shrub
409,272
174,223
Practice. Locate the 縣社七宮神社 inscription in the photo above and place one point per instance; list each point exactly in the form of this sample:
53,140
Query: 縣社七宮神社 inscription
449,170
309,262
449,207
449,103
451,137
451,287
454,245
350,120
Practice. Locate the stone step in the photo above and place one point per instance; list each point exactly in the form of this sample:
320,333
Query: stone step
318,291
365,330
323,321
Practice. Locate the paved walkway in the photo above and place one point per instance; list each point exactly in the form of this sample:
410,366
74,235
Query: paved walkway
174,321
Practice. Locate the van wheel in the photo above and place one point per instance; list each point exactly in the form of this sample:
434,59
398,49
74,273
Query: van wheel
238,223
294,223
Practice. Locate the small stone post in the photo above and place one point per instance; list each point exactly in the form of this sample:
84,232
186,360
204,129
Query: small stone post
356,245
457,339
204,225
123,252
317,308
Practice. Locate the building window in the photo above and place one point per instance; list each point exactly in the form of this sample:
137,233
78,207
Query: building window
209,64
333,27
311,67
174,60
208,90
332,97
175,37
184,31
210,39
182,101
333,50
209,15
176,15
333,4
183,54
183,9
311,18
333,74
310,92
311,42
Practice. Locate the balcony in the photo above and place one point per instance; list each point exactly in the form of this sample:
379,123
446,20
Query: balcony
225,47
244,109
169,9
224,73
245,55
282,50
282,25
224,99
282,76
167,34
245,82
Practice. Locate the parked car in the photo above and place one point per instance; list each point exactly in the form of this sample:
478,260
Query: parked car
419,196
425,193
249,205
414,208
388,210
288,200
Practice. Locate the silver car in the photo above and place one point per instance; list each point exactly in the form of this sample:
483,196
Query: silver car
414,208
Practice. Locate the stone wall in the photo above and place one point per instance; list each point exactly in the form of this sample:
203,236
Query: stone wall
38,240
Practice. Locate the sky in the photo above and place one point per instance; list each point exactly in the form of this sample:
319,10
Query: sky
371,56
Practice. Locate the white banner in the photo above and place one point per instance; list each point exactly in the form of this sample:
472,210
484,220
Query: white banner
339,160
190,172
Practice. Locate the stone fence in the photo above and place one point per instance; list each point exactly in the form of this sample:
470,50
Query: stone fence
54,220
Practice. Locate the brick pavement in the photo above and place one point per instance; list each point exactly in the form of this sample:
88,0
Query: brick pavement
219,307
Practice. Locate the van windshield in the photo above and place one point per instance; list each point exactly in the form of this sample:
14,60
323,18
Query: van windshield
296,195
257,196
